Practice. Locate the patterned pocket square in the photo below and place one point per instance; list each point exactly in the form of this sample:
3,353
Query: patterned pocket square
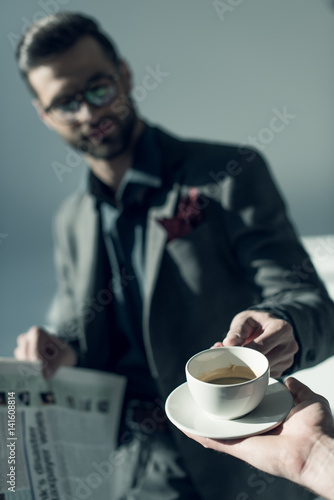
188,217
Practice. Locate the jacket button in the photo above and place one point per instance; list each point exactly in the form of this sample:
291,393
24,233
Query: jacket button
310,355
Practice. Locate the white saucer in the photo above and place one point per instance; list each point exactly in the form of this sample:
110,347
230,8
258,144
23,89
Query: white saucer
183,412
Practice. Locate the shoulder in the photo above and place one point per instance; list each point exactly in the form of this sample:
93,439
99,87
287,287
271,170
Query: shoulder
193,147
205,161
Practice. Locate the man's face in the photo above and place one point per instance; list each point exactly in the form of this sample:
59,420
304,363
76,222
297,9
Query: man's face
101,132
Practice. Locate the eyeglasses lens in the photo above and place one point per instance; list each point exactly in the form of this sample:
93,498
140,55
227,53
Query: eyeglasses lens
99,95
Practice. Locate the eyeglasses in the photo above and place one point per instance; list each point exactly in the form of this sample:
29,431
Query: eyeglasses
99,93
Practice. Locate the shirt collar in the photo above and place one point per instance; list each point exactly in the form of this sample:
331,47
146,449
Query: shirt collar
145,174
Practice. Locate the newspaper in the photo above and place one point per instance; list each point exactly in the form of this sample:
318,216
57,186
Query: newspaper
57,436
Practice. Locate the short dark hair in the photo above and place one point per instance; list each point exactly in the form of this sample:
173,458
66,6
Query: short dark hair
53,35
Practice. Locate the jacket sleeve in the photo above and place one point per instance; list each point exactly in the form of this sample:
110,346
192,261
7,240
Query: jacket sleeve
270,254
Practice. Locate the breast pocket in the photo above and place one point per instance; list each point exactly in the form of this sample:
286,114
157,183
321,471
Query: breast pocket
198,259
204,264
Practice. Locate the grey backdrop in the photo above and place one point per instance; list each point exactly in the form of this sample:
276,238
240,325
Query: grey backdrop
229,68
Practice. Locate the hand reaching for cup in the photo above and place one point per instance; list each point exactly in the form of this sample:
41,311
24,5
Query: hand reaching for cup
266,333
38,345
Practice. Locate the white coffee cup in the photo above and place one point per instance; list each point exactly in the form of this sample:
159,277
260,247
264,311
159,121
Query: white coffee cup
228,400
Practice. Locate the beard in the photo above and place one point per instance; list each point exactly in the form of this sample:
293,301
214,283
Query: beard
110,137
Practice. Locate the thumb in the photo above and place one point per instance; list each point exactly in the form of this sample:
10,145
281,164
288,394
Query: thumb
242,331
234,338
53,352
299,391
50,357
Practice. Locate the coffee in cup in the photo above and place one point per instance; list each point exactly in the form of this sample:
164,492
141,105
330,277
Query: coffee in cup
232,374
228,382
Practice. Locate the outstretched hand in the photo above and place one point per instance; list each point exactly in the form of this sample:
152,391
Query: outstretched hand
297,449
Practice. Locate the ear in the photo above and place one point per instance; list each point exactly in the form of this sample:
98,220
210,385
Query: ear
41,113
126,76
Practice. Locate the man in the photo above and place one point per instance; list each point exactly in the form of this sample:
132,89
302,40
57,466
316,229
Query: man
171,244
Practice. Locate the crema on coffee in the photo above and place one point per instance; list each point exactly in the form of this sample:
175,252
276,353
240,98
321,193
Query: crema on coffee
232,374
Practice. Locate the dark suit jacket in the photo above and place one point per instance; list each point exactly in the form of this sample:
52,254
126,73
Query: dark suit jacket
243,254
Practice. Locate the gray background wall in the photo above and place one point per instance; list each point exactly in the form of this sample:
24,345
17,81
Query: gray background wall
225,74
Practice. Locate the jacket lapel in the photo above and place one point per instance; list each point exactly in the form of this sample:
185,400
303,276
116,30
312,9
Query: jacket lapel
172,153
156,239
